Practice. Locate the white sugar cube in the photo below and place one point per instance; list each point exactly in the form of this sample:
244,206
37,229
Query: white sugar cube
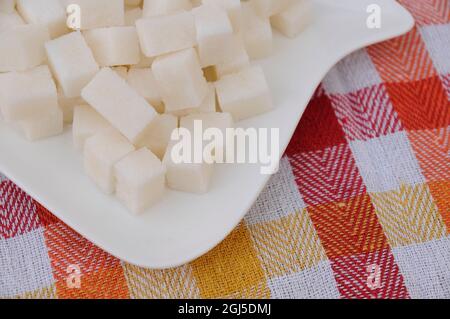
256,32
180,80
158,137
10,20
50,13
72,62
216,41
99,13
268,8
293,20
114,46
101,152
244,94
165,34
187,176
7,6
27,94
86,123
22,47
240,61
208,105
233,8
144,62
163,7
140,178
143,81
43,125
220,121
132,15
120,104
67,105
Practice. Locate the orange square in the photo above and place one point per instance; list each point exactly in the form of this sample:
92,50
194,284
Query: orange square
68,249
421,105
349,227
441,195
231,268
103,284
403,59
432,150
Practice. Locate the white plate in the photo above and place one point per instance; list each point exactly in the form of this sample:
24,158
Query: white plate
183,227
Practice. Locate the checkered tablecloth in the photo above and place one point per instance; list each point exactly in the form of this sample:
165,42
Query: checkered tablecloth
359,209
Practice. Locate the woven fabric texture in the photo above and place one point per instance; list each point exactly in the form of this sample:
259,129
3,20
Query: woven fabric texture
359,209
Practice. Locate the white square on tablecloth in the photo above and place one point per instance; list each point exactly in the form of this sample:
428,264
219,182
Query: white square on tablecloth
387,162
353,73
24,264
426,268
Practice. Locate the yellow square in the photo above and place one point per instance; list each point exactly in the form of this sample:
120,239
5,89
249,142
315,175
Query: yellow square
287,245
231,268
176,283
43,293
409,215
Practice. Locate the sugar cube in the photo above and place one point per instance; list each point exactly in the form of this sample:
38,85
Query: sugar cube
165,34
27,94
114,45
187,176
239,61
22,47
180,80
158,137
256,32
50,13
220,121
72,62
120,104
268,8
132,15
143,81
7,6
101,152
244,94
216,41
10,20
86,123
163,7
208,105
233,8
140,180
99,13
293,20
43,125
144,62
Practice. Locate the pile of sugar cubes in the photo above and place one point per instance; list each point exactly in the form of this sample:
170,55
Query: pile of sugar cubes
132,73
